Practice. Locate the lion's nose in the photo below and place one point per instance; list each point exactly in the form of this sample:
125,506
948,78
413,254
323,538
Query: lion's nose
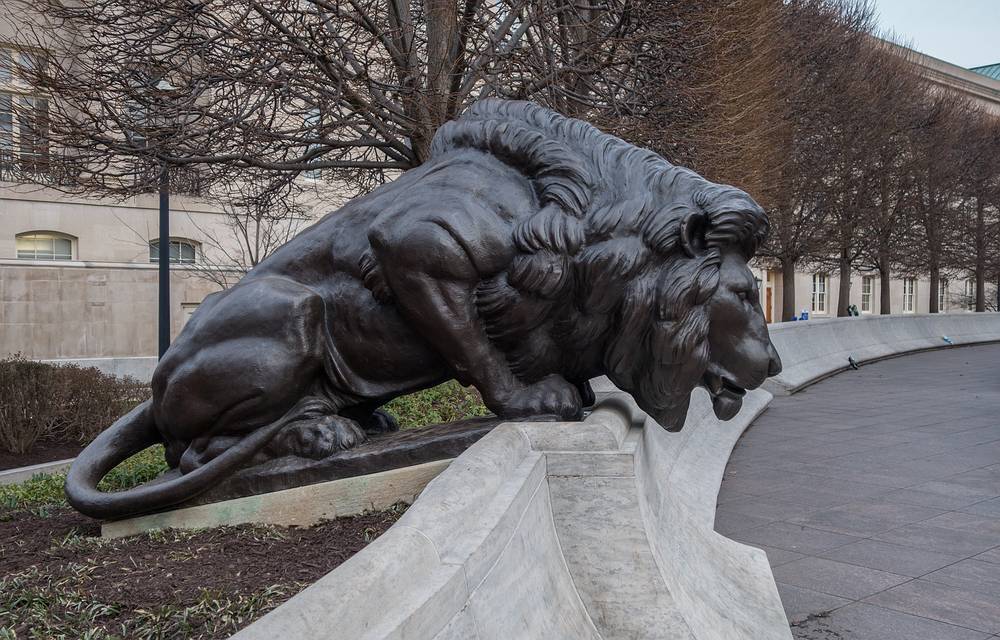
774,365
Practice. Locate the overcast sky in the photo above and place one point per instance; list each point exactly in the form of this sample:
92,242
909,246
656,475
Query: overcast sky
963,32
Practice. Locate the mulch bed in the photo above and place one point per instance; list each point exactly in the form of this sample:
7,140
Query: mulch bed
174,568
41,452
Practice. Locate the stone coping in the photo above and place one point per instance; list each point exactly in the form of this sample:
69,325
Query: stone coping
599,529
814,349
301,506
21,474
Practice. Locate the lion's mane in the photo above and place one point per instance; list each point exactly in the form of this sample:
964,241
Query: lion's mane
606,243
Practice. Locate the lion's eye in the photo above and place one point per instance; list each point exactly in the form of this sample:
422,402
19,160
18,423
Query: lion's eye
743,295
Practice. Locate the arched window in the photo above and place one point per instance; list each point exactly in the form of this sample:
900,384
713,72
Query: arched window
181,251
44,245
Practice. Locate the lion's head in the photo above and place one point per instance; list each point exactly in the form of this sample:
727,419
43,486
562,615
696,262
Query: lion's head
631,267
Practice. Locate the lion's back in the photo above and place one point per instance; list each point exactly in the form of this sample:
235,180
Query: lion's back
470,190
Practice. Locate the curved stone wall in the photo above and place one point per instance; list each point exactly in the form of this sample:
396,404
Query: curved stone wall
814,349
601,529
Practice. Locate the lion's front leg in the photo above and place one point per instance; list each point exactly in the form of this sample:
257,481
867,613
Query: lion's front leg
433,281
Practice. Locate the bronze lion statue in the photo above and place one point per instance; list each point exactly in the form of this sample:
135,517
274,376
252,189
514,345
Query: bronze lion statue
529,254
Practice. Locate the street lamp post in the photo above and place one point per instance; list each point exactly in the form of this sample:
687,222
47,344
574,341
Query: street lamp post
163,320
164,260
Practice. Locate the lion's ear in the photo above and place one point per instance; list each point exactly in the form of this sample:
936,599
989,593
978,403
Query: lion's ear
693,228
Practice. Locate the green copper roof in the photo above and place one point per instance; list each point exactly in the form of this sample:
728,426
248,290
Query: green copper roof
990,70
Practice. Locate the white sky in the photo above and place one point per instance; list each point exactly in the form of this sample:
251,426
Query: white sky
963,32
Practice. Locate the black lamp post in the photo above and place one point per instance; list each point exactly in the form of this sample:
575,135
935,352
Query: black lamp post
163,312
164,260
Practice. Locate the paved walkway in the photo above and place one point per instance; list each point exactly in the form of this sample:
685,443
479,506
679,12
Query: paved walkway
876,495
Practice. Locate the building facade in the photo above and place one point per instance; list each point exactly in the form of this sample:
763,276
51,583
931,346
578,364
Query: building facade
817,293
78,277
817,289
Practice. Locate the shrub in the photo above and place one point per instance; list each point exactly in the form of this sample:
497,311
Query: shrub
64,403
444,403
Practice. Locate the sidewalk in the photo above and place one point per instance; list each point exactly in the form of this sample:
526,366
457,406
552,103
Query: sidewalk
876,495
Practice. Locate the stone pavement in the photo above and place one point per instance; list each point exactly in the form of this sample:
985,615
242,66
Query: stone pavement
876,495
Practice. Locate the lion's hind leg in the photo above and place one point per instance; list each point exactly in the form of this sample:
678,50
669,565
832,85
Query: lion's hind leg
319,433
315,432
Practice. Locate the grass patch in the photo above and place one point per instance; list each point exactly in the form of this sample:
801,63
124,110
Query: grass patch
47,489
444,403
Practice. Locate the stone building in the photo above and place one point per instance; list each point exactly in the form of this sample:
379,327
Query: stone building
78,278
817,290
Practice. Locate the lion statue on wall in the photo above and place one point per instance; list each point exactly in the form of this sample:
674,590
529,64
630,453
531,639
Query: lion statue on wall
529,254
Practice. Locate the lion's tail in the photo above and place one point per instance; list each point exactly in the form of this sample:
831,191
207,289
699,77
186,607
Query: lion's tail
132,433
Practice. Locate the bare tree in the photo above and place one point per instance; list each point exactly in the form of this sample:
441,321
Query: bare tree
259,217
936,176
978,245
352,87
819,179
868,185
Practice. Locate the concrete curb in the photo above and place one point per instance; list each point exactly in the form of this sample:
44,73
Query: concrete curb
139,367
593,530
301,506
815,349
21,474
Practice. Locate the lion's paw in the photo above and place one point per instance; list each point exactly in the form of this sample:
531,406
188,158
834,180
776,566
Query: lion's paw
318,438
380,422
552,396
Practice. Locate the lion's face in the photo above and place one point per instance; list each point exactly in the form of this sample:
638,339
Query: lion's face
707,329
741,355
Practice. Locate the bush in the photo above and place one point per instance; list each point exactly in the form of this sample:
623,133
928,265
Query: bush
444,403
65,403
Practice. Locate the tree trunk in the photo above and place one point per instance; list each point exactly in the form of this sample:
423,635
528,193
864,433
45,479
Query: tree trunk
844,290
935,285
885,295
787,289
981,257
442,37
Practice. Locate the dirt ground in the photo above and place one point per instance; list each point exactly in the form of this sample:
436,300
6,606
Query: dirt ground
57,577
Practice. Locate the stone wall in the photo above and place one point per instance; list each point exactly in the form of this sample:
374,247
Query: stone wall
80,312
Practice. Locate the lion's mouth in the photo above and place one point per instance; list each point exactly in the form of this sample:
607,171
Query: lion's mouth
727,396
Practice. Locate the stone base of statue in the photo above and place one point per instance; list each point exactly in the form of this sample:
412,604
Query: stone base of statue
382,452
387,469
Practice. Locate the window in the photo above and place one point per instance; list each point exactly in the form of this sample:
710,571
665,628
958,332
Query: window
6,65
819,293
18,65
970,294
867,287
44,246
33,133
24,118
181,251
137,115
942,294
909,295
6,125
28,63
312,120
